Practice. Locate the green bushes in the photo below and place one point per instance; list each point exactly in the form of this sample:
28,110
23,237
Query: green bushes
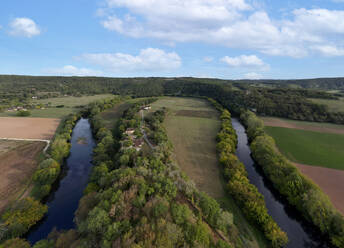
23,113
300,191
246,194
47,173
22,216
15,243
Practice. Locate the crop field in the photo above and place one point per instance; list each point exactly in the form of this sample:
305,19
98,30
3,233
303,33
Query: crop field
70,105
333,105
329,180
18,162
309,147
313,147
28,128
303,125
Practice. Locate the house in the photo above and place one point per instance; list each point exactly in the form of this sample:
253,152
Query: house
138,143
130,131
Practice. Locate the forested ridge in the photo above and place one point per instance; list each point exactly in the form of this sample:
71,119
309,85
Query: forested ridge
271,101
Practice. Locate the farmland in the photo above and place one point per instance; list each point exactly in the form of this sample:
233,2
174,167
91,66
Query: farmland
329,180
303,125
18,161
316,150
28,128
309,147
59,107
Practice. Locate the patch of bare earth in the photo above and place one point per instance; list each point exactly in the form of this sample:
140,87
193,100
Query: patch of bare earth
28,128
275,122
331,181
17,167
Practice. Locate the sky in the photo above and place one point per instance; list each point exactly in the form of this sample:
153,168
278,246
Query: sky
229,39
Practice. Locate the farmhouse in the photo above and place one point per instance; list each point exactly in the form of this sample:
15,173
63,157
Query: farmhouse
130,131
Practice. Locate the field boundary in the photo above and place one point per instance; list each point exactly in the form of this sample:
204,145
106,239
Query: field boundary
277,122
31,140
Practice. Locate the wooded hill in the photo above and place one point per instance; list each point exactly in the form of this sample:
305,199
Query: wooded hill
272,101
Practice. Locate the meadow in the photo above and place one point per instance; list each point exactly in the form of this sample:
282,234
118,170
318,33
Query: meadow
194,141
70,105
111,116
333,105
309,147
192,125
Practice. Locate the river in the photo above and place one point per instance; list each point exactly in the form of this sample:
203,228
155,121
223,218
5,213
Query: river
63,202
300,233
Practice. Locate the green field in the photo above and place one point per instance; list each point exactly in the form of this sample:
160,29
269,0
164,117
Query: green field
111,116
70,103
194,140
333,105
308,147
192,126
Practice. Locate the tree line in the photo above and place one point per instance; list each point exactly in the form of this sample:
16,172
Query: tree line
245,194
265,97
300,192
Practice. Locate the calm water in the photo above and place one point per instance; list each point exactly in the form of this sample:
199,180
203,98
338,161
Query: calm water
64,201
300,233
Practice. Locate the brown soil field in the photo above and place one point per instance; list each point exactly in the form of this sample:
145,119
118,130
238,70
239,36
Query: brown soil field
331,181
28,128
17,167
7,145
309,126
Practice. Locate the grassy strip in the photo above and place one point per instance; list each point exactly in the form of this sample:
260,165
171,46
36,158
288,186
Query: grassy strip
246,194
299,191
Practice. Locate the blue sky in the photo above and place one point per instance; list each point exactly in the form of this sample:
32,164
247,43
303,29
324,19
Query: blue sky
202,38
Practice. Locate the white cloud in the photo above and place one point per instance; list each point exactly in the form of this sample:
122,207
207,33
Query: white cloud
24,27
245,61
330,51
150,59
232,23
252,75
70,70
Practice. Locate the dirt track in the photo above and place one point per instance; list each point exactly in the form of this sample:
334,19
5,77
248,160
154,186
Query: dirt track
28,128
17,167
329,180
276,122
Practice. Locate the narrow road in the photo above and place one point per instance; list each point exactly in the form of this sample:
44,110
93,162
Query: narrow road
143,131
34,140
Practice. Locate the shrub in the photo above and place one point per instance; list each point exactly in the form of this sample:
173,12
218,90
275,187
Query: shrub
23,113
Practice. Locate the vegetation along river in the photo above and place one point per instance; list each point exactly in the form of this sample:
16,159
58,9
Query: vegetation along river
64,201
300,233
